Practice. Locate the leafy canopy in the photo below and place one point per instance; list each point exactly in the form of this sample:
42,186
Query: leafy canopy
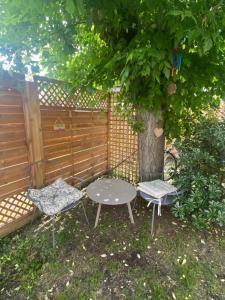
126,42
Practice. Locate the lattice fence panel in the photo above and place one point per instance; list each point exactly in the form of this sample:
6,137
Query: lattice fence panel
54,93
122,145
14,208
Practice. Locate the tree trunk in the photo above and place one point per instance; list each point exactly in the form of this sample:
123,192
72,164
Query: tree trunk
150,147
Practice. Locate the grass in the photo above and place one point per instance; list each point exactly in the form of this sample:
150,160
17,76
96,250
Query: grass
117,260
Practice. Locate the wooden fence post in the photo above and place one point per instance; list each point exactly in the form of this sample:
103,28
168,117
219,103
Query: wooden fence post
108,131
32,116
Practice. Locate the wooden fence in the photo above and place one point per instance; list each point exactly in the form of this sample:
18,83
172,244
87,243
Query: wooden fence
80,134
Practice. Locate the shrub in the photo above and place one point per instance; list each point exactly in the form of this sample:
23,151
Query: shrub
201,171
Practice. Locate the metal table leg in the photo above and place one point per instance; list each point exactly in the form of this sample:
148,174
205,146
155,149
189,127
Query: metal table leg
85,214
130,213
153,219
98,214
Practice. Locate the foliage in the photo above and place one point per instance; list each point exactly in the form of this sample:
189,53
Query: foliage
106,43
201,172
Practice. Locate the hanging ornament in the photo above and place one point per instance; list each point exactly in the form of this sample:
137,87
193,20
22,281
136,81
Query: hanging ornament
171,89
176,61
174,69
158,132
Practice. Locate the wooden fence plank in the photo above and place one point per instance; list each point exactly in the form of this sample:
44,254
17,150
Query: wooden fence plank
7,161
14,187
11,136
12,144
11,110
12,127
12,119
9,98
13,173
33,131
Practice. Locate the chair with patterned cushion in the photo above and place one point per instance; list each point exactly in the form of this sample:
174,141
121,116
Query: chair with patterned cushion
56,198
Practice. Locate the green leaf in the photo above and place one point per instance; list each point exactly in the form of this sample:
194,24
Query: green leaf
188,14
124,74
166,72
175,13
80,7
70,7
207,45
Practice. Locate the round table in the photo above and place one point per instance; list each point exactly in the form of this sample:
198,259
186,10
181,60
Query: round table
111,192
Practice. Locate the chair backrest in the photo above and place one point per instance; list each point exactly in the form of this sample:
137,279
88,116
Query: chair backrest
170,165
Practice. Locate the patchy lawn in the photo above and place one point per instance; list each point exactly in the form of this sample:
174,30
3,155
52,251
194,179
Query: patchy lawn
117,260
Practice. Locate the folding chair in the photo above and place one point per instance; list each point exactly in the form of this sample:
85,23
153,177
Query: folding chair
56,198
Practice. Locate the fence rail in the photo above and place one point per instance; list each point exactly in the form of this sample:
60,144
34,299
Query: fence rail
80,134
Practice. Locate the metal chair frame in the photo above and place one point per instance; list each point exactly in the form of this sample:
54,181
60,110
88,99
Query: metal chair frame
71,206
167,200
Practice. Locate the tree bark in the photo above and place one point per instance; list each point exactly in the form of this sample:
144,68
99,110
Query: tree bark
150,147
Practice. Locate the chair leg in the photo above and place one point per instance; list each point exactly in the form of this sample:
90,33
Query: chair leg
153,219
135,200
53,231
33,215
85,214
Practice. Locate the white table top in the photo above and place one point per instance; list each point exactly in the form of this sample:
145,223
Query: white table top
111,191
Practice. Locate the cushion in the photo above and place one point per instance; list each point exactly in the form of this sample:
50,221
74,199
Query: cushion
55,197
156,188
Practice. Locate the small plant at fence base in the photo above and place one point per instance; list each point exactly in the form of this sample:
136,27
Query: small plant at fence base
201,172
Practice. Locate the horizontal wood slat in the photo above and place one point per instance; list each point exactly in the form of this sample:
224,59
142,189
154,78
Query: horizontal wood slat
14,187
11,136
11,119
11,110
6,160
12,144
71,159
12,127
13,173
10,99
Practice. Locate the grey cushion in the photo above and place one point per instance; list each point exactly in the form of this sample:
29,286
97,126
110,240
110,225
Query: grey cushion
55,197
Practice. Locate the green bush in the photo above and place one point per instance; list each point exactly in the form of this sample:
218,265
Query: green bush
201,171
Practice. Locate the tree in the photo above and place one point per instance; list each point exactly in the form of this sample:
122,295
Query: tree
134,44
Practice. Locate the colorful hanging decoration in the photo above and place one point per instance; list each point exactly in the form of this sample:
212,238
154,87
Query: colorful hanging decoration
176,61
